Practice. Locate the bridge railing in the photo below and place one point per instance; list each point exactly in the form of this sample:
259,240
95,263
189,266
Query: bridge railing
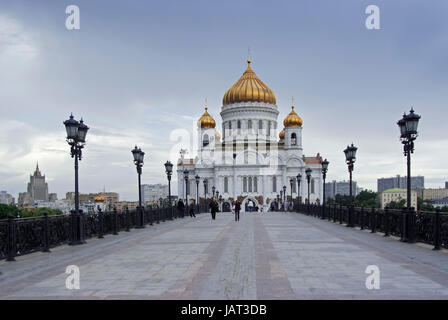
26,235
429,227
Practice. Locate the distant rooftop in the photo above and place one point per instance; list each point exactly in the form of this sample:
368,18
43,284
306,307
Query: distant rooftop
394,190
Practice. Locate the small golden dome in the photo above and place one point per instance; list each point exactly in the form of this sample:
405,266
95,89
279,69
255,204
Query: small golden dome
206,121
217,135
282,134
249,88
98,198
293,119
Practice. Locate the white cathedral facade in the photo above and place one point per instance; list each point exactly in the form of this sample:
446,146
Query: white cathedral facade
250,161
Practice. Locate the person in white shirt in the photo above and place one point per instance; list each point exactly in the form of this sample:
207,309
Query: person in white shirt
250,205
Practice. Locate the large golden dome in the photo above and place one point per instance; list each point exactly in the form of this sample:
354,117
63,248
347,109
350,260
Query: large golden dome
206,121
293,119
249,88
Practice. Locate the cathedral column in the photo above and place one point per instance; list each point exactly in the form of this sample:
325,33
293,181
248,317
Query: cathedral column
283,177
215,179
234,177
265,186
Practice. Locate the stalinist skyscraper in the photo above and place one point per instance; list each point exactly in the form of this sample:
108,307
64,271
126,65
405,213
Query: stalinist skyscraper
37,187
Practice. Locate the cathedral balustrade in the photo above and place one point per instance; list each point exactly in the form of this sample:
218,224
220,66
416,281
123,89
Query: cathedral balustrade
430,227
26,235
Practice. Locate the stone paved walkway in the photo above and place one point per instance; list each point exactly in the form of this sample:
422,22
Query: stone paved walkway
264,256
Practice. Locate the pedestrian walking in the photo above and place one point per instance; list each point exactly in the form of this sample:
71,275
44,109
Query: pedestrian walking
180,208
213,208
237,210
191,209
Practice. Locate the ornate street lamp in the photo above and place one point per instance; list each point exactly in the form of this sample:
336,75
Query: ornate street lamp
284,194
278,201
197,179
325,164
408,133
308,179
291,182
169,172
217,194
186,187
299,179
213,191
138,161
350,158
281,194
76,138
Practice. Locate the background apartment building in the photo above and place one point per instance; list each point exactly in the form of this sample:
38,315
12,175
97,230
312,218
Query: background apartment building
417,182
396,195
153,192
340,187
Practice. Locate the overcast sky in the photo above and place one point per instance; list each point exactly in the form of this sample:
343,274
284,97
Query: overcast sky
138,72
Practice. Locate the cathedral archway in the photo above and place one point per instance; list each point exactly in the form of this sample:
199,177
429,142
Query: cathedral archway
244,204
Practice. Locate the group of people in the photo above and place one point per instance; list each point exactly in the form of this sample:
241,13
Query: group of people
214,207
191,208
253,207
277,206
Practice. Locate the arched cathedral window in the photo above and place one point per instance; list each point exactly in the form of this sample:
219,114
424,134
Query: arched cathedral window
260,124
274,184
205,140
312,185
244,184
226,184
293,139
249,124
239,124
255,184
250,184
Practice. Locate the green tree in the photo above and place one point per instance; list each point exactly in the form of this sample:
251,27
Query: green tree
39,212
366,198
423,206
5,209
397,205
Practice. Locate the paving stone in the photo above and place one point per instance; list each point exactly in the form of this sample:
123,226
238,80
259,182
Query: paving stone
269,256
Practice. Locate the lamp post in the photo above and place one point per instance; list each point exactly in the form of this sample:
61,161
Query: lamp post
169,172
213,191
350,158
308,179
197,179
284,195
76,138
408,133
138,161
299,179
281,199
325,164
278,201
186,187
291,182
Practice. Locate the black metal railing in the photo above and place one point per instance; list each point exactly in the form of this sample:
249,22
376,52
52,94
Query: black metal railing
429,227
26,235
